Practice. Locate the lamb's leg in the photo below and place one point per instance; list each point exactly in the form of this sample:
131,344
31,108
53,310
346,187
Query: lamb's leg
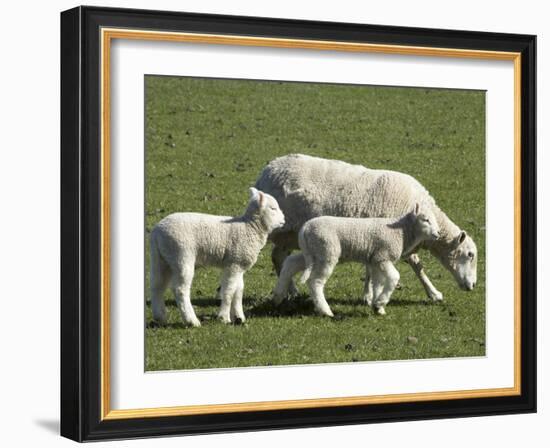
160,275
182,277
230,283
237,313
292,265
416,264
368,292
316,282
387,275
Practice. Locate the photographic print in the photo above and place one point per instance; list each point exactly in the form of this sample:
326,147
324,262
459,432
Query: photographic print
308,223
251,201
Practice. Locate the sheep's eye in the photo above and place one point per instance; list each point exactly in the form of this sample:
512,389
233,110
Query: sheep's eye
471,255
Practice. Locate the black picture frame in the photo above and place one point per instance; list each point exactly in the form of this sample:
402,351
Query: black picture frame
81,224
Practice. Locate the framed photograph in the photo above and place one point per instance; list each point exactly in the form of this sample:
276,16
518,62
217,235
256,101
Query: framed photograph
272,223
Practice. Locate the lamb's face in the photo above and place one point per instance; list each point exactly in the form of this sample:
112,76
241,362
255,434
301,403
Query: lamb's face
268,209
425,225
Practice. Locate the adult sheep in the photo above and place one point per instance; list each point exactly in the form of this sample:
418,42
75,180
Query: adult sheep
306,187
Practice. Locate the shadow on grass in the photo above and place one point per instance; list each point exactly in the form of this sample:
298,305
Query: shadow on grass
294,307
409,302
299,306
206,302
197,302
152,325
393,302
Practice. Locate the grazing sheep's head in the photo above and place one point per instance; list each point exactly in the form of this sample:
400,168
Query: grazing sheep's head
461,261
425,224
266,208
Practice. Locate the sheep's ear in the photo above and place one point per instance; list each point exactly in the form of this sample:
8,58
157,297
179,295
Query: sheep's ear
261,198
253,192
460,238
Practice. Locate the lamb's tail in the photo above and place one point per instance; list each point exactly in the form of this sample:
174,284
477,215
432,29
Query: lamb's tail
153,252
159,267
307,257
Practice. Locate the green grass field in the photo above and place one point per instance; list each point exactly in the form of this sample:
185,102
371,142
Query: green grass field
207,141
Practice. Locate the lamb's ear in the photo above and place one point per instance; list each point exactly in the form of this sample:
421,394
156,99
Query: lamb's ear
261,198
253,192
460,238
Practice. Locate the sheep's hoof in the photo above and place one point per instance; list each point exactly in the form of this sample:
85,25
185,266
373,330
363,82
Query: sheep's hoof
155,324
367,300
239,321
436,296
195,323
380,311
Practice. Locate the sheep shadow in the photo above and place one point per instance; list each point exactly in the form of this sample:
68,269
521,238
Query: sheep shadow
409,302
200,302
298,307
179,325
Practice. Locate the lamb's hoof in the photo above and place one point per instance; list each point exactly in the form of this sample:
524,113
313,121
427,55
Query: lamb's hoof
155,324
159,319
195,323
224,319
293,291
239,321
380,311
324,312
277,299
436,296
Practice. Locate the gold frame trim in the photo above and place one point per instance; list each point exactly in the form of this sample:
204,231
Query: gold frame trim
107,35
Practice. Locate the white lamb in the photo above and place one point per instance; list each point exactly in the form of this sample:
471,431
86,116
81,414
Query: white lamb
182,241
376,242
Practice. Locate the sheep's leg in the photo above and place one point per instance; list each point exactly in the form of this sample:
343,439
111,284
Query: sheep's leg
377,287
416,264
230,283
278,255
292,265
368,290
182,278
387,275
316,282
160,275
237,313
